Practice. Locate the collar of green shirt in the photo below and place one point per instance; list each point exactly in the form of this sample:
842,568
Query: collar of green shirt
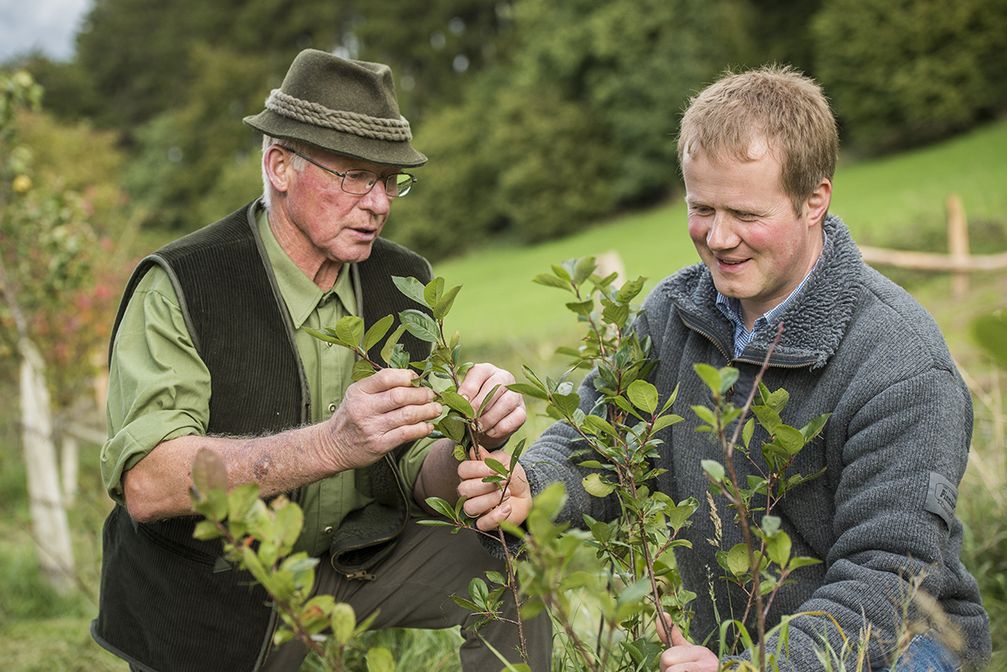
300,294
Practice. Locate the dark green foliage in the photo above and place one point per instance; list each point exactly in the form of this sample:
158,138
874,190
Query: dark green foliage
909,72
185,151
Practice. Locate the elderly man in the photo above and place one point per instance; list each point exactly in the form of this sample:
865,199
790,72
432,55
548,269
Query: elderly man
210,350
758,151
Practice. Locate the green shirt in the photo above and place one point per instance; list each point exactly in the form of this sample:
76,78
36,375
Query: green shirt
159,388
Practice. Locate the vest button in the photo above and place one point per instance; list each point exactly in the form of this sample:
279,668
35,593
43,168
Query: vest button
328,529
332,407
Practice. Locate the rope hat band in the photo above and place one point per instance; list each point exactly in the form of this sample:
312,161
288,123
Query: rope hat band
364,125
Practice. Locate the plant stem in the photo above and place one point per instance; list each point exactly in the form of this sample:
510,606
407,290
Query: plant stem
513,585
739,502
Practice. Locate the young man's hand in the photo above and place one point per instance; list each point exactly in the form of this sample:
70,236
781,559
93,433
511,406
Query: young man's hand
682,655
505,412
483,499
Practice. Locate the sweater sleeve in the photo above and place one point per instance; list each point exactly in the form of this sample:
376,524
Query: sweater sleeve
889,533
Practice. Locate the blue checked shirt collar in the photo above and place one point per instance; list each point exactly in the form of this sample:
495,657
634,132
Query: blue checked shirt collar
731,309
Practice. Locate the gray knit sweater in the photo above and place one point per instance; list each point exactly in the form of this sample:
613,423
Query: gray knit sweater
855,345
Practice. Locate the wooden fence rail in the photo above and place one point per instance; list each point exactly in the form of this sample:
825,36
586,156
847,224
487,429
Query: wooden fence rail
957,261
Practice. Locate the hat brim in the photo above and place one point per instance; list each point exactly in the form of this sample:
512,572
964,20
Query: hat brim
375,151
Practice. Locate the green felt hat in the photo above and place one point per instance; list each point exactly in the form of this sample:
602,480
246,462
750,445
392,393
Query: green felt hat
343,106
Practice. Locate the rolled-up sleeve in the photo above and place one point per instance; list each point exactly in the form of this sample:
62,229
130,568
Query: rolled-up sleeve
159,387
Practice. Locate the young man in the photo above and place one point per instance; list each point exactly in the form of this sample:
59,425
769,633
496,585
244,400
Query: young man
758,151
210,350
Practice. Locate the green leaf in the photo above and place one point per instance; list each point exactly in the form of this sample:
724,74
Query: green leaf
551,281
615,313
737,559
497,466
460,453
728,377
399,357
679,514
705,414
457,402
240,501
747,431
791,439
433,291
710,376
713,469
343,622
561,271
583,269
442,507
599,426
377,331
443,306
802,561
361,370
389,346
323,337
667,421
632,600
629,291
453,427
380,659
596,487
412,288
529,390
643,395
487,400
770,525
814,428
350,330
778,548
206,530
420,325
582,308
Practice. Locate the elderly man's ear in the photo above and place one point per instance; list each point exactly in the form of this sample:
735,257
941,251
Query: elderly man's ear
276,162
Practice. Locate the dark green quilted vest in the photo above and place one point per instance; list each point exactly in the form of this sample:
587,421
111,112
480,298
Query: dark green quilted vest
168,601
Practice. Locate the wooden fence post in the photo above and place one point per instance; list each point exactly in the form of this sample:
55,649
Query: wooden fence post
958,246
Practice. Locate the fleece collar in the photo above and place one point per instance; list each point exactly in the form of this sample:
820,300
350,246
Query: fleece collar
814,321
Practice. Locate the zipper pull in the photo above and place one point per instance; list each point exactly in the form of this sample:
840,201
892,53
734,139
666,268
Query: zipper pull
360,575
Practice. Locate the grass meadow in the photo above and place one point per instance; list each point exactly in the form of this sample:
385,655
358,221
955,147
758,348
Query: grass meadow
896,201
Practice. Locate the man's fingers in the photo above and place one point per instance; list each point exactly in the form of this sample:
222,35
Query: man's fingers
408,415
505,426
474,487
492,520
660,628
677,638
477,506
385,379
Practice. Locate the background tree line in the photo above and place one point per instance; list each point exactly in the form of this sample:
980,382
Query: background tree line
539,117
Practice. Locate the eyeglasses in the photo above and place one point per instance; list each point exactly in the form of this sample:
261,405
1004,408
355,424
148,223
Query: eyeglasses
359,182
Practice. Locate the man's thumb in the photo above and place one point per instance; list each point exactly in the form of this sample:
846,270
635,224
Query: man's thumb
677,638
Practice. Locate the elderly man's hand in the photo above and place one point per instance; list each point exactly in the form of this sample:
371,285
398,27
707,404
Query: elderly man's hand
483,500
505,412
682,655
377,414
